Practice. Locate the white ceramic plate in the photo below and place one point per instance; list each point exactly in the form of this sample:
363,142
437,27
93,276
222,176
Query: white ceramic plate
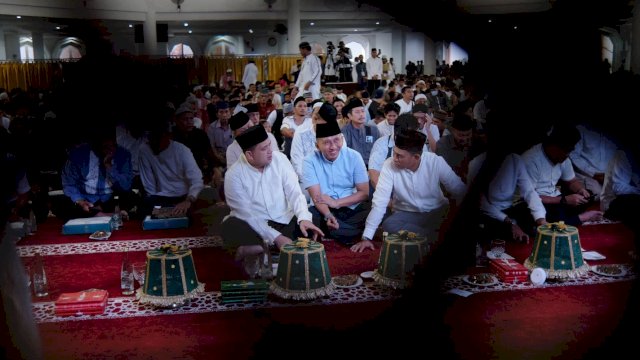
468,280
92,237
367,275
358,283
600,270
492,255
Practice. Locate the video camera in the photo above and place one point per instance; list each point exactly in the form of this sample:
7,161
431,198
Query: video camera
330,47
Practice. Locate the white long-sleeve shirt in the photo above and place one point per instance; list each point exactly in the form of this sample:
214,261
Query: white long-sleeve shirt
620,179
250,75
511,179
172,173
234,150
413,191
311,71
257,197
592,153
543,173
374,67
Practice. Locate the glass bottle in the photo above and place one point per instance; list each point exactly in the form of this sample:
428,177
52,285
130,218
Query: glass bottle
33,223
117,217
40,284
126,274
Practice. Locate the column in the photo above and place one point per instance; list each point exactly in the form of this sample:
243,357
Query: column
293,25
3,52
635,39
429,56
398,51
38,45
12,45
150,36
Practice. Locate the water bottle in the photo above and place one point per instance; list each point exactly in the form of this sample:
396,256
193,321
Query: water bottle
33,223
126,275
40,284
116,219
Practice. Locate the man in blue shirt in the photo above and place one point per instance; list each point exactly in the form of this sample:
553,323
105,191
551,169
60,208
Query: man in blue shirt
337,181
94,173
359,135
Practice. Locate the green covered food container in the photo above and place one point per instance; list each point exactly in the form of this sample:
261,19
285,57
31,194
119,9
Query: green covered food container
399,254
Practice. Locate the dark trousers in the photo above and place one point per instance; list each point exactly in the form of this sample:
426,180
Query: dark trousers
345,74
69,210
351,222
155,200
563,212
496,229
237,232
372,85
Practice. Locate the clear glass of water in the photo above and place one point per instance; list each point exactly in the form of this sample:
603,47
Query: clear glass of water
126,283
497,247
40,286
139,272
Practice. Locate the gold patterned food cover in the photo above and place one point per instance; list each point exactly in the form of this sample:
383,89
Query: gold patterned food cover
303,271
557,250
170,277
399,255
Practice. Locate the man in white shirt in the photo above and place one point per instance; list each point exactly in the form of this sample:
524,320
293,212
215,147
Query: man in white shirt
504,218
250,74
263,194
391,112
412,180
590,158
310,73
621,189
374,71
168,172
406,103
547,163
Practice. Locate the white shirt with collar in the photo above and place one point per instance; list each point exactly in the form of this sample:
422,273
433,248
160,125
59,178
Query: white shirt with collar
620,179
374,67
592,153
234,150
257,197
174,172
404,107
413,191
543,173
384,128
511,179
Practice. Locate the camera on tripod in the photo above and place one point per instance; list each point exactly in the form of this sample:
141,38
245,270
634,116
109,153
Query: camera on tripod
330,47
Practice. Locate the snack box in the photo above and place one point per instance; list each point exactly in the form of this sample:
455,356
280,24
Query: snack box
173,223
87,225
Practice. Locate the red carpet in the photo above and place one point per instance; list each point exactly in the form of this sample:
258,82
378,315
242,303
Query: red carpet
562,322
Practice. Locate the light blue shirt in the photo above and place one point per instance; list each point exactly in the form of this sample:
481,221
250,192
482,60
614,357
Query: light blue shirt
336,178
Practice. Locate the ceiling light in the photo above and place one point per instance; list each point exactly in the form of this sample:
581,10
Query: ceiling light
250,31
186,24
377,22
19,17
130,25
190,31
312,23
515,28
57,27
355,29
490,20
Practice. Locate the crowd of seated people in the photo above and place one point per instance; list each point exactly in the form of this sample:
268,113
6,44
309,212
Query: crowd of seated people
408,165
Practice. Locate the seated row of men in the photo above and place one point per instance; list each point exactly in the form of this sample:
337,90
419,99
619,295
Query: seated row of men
264,192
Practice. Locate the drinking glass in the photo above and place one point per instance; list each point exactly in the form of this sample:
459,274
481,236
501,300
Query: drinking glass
139,272
497,247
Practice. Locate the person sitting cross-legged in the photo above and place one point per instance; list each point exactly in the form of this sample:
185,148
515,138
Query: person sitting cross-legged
412,180
337,181
94,174
265,199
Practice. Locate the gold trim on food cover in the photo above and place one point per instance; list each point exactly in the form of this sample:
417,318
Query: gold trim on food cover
164,276
182,276
573,261
324,275
306,269
288,277
553,252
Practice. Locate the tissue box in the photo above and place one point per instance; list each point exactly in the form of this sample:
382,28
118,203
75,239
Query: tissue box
508,270
244,291
87,225
88,302
174,223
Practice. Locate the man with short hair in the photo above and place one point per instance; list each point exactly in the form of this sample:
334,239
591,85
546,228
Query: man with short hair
263,194
412,179
337,181
250,75
239,123
455,147
310,73
374,71
219,133
357,134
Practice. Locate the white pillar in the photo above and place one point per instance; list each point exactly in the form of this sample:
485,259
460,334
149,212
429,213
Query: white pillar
150,36
3,52
38,45
429,56
12,45
398,50
293,25
635,39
